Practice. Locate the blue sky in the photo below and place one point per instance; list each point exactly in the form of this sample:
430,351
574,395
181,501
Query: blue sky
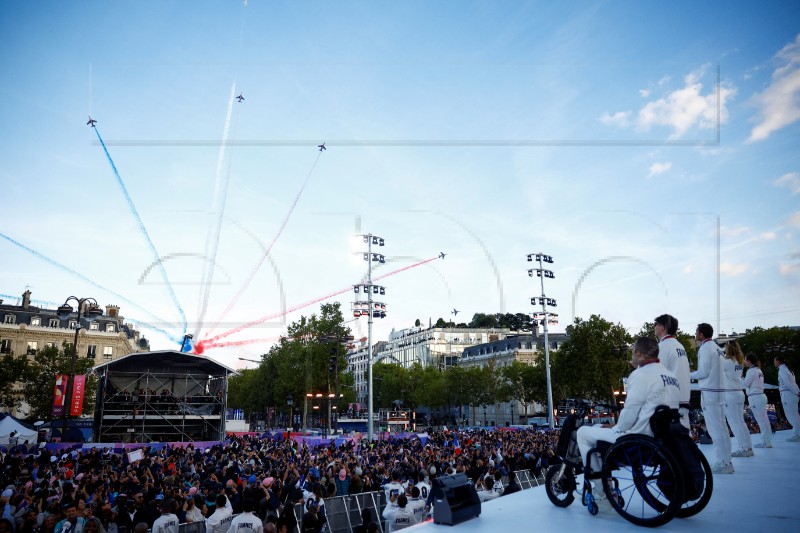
592,131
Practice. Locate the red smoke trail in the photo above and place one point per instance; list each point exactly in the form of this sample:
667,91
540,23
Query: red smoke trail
212,342
260,262
228,344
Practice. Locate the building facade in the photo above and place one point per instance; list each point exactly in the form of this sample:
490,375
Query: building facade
27,329
527,349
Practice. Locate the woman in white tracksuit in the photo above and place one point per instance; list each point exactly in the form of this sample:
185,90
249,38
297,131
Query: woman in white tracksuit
754,383
732,366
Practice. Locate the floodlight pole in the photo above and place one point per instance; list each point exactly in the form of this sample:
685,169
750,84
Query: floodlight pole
541,272
369,339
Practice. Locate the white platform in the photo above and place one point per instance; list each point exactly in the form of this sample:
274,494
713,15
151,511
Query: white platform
762,495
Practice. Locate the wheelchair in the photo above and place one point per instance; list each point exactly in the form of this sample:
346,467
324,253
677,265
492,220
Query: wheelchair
647,480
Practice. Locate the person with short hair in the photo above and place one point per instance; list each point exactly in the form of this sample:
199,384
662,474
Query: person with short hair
790,395
488,492
246,522
513,484
397,514
672,355
168,521
220,519
732,366
754,385
712,396
649,386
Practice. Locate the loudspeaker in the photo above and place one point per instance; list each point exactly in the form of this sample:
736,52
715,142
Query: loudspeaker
455,500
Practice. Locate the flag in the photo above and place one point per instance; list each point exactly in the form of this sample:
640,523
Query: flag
59,395
78,390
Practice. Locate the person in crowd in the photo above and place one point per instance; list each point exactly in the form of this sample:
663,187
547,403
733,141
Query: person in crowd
513,485
193,512
711,379
168,521
649,386
397,514
72,523
732,367
672,355
487,493
220,519
754,385
246,522
790,394
366,519
93,525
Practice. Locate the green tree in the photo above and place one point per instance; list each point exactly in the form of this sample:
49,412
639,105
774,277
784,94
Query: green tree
525,383
39,378
591,363
767,343
11,368
416,323
482,320
686,339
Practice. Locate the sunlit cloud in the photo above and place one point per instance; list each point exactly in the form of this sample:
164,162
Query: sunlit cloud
733,232
768,236
687,107
644,93
789,181
688,269
787,269
779,103
794,220
620,119
659,168
732,269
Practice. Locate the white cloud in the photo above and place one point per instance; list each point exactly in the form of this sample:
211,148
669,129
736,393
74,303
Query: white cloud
659,168
779,103
731,269
688,269
687,107
620,118
787,269
794,220
734,232
680,110
768,236
790,181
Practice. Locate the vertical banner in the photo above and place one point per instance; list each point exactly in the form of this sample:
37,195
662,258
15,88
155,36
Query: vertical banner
59,395
78,387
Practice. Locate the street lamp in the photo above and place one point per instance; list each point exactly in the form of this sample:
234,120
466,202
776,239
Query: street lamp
373,309
542,273
90,310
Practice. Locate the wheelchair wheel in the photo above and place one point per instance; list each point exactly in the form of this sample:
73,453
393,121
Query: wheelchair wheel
692,507
560,489
642,481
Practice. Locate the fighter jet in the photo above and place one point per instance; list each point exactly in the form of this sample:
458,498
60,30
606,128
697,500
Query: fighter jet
240,98
441,255
455,311
321,147
91,122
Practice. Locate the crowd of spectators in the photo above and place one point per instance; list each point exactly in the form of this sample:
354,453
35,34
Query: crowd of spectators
83,491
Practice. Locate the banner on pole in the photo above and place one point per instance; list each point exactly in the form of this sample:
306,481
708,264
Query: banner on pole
78,388
59,395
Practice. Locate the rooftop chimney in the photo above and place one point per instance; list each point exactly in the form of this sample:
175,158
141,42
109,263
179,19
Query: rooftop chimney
112,311
26,299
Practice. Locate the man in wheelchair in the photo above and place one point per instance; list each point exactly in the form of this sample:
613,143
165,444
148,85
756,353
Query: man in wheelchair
649,386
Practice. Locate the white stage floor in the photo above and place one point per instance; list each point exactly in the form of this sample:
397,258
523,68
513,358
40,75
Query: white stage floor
762,495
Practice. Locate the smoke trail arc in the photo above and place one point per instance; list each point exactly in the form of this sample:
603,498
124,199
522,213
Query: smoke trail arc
257,267
605,261
144,232
212,341
93,284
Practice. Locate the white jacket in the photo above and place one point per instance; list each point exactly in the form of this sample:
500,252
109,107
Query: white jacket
709,373
246,523
786,380
398,518
673,356
732,371
649,386
166,523
754,381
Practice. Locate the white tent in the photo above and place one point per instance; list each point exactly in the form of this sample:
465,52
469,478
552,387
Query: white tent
9,424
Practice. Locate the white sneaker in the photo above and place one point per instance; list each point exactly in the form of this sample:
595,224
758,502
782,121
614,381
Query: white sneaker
722,468
743,453
796,438
763,445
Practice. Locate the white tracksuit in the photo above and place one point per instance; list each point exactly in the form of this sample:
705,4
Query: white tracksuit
649,386
754,383
672,355
712,388
398,518
734,403
246,523
790,395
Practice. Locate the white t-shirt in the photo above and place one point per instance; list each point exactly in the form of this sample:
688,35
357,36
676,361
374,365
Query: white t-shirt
246,523
166,523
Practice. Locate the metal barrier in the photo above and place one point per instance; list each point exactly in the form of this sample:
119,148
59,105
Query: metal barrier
528,480
343,513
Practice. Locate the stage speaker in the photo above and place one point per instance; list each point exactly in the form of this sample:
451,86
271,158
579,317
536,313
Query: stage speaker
455,500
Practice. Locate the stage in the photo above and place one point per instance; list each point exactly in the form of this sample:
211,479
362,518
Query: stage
762,495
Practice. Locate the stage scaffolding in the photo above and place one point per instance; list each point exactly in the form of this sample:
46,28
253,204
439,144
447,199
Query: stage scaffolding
161,397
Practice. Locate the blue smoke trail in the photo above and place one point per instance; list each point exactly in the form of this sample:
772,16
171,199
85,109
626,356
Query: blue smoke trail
144,232
92,283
